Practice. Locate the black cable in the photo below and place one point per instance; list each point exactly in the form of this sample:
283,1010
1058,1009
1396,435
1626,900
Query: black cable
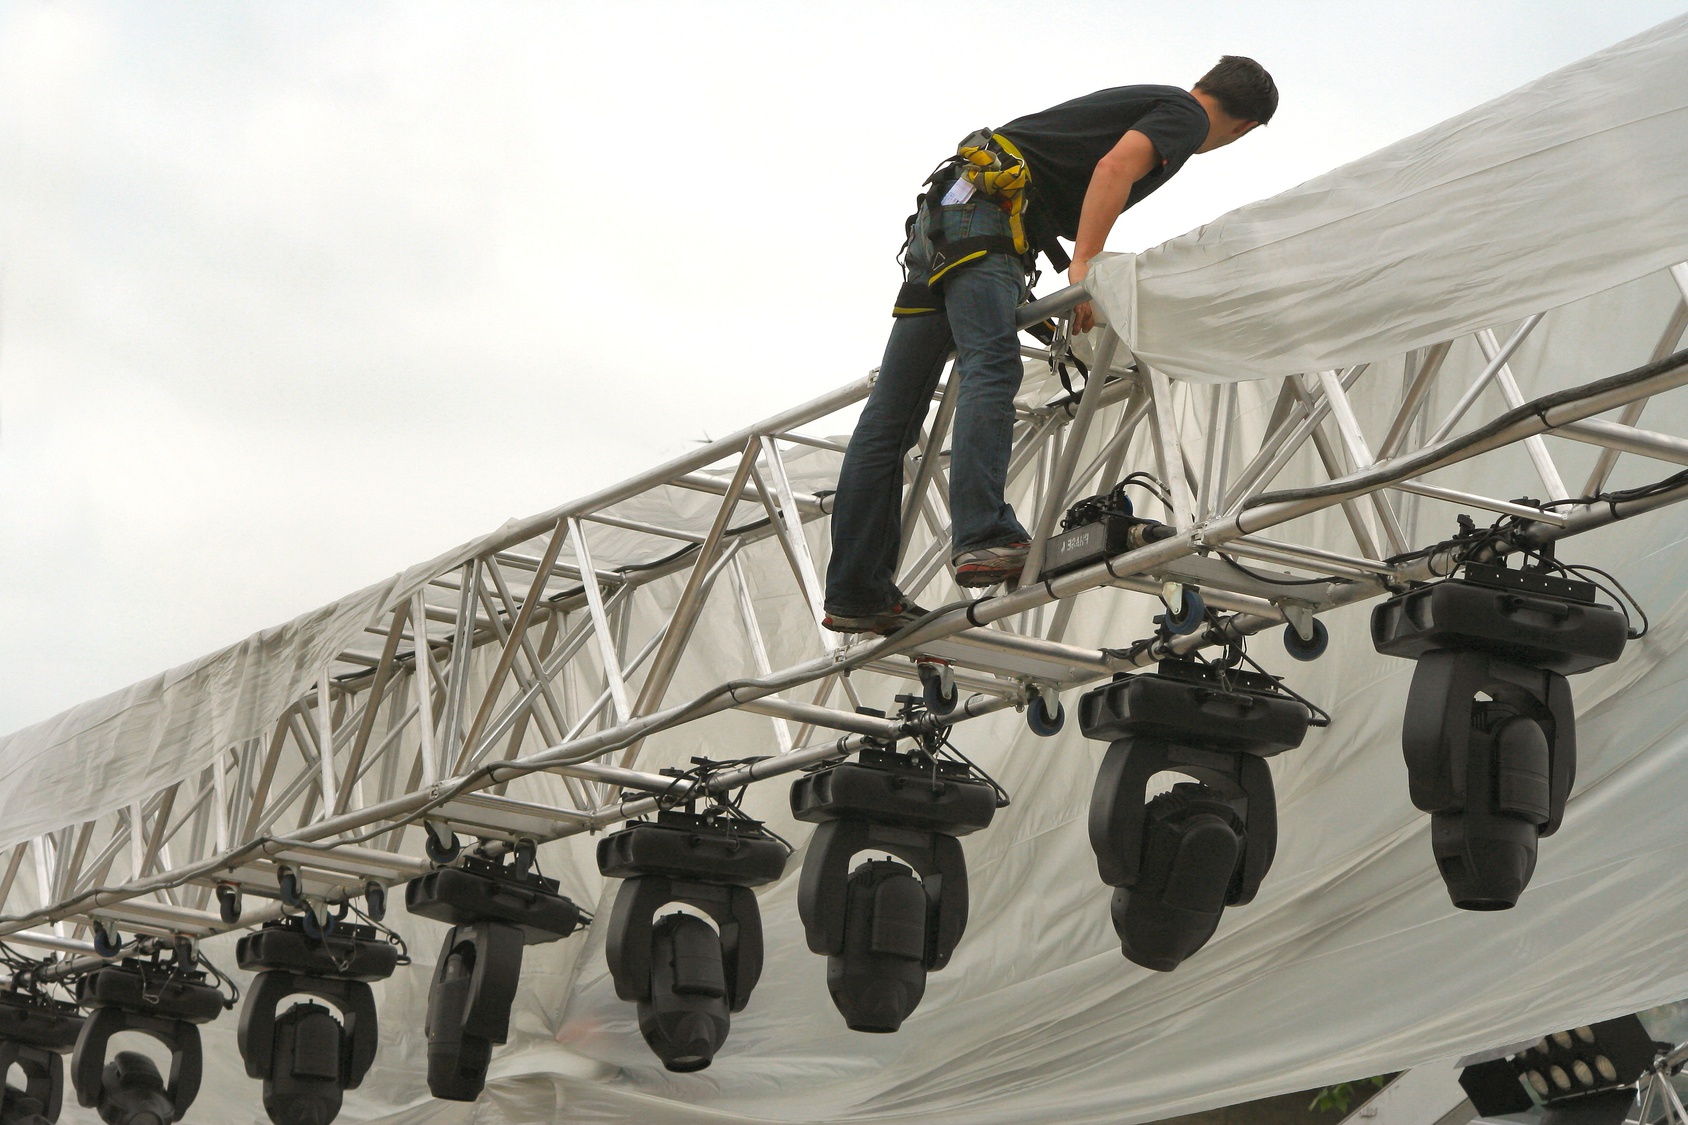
1267,578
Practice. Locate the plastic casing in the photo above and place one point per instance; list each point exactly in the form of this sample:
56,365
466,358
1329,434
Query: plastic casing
1194,714
888,792
349,953
683,851
1555,633
460,896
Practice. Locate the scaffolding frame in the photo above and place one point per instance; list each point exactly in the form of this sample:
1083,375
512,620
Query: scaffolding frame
532,658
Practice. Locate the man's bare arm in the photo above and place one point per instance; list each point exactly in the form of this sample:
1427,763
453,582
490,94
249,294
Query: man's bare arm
1110,186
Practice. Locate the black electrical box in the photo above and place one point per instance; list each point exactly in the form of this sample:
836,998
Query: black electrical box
1532,619
1190,704
894,789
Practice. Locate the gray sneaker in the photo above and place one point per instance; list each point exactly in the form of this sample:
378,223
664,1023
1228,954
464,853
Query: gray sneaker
987,566
884,622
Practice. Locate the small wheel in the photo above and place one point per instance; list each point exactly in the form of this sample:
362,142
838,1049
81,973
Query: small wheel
228,903
1307,648
1190,614
315,930
1041,722
107,943
939,698
441,852
375,900
287,884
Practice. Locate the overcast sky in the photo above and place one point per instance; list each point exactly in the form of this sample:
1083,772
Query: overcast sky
293,296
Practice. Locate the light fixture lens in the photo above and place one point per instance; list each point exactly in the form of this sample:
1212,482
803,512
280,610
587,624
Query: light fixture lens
1563,1038
1536,1081
1584,1075
1560,1078
1605,1067
1586,1034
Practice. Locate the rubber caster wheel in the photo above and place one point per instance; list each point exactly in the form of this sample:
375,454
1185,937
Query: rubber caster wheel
314,929
228,903
375,900
287,885
940,698
1190,615
1041,722
441,851
1307,648
108,943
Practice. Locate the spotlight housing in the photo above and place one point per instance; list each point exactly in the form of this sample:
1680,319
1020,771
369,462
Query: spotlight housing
167,1001
1178,860
307,1058
35,1030
495,911
1585,1077
686,977
881,928
1490,733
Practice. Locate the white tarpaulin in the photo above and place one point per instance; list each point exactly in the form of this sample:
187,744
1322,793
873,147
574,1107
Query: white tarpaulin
1351,961
1567,186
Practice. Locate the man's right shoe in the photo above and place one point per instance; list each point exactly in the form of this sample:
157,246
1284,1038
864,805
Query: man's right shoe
987,566
885,622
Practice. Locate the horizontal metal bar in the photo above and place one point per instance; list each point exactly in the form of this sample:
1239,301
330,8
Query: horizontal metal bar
831,717
1629,439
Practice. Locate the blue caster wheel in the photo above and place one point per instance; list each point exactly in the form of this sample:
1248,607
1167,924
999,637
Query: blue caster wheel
939,697
1189,615
107,943
1307,648
441,845
287,885
315,930
1042,723
228,903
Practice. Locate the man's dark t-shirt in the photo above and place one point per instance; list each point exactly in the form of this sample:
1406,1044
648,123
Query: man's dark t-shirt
1064,143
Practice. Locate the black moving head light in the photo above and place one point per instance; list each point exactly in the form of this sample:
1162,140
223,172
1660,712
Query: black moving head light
1586,1076
1178,860
34,1031
494,911
882,928
307,1058
1490,733
164,1000
687,977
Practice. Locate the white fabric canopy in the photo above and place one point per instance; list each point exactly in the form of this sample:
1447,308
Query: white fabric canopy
1351,961
1567,186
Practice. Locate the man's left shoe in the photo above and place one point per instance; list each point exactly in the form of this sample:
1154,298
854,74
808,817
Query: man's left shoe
987,566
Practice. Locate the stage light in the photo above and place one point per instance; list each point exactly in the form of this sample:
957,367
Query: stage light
307,1058
1490,734
165,1000
494,910
1607,1059
1178,860
35,1030
882,928
686,977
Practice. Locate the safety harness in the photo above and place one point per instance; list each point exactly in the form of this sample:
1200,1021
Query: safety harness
998,173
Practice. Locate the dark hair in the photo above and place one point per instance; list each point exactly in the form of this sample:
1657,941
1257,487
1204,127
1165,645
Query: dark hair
1243,88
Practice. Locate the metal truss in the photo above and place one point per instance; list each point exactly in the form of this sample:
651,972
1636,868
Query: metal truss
530,691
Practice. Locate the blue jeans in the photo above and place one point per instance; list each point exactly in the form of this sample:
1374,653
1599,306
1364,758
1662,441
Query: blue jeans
978,320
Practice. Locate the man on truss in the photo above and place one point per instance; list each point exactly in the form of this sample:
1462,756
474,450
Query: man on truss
1071,171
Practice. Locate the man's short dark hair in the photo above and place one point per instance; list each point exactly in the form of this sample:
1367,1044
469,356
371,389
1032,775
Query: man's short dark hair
1243,89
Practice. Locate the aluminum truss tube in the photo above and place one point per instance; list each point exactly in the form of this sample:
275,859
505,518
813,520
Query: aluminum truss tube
928,470
1055,496
1496,362
1631,414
